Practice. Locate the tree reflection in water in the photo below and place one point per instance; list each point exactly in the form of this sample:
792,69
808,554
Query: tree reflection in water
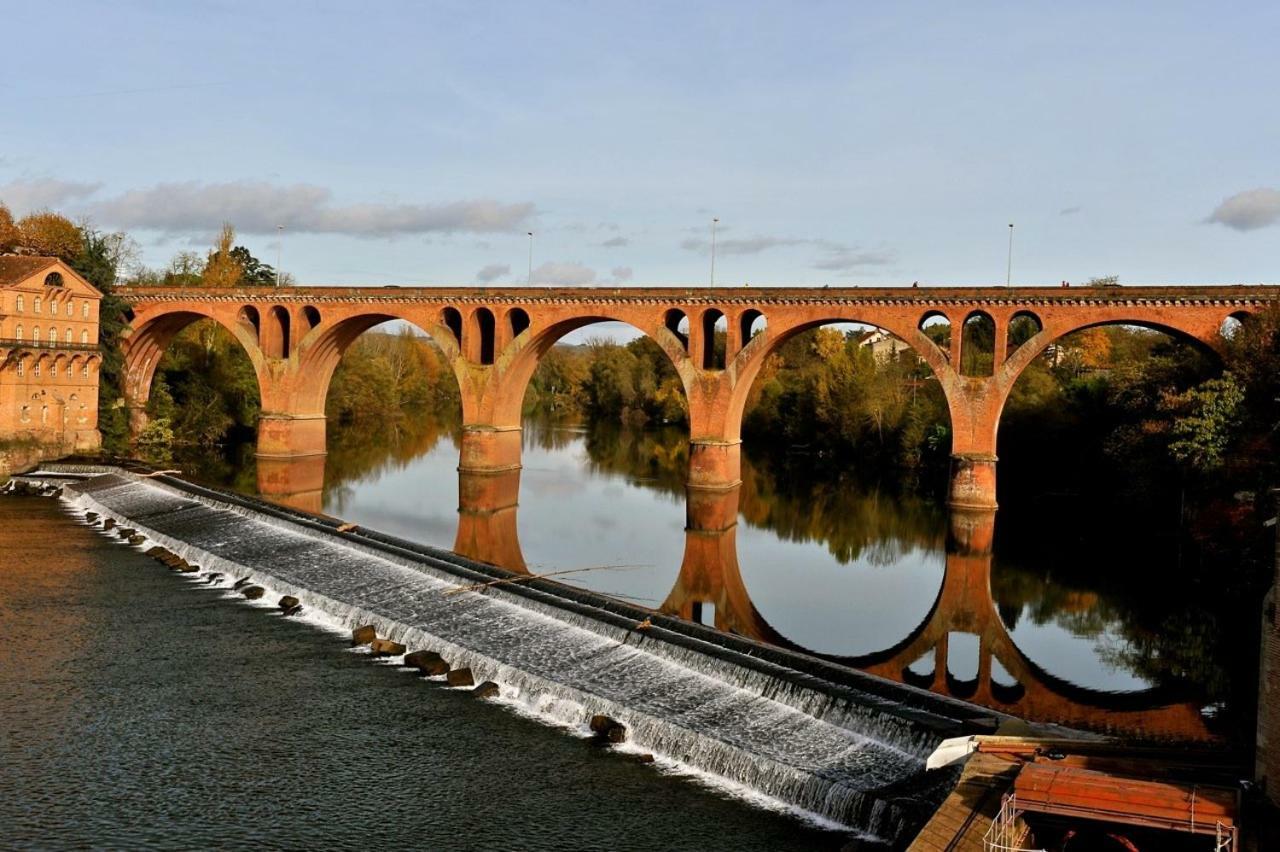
996,599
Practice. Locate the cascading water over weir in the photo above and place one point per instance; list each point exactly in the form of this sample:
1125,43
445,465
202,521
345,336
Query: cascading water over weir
820,738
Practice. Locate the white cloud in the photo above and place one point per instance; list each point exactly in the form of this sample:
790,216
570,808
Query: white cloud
573,274
568,274
1249,210
258,207
492,272
745,245
846,259
25,196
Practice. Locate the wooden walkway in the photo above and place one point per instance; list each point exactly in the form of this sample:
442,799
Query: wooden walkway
965,816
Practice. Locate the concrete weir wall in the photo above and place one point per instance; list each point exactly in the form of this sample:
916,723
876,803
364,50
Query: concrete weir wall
828,741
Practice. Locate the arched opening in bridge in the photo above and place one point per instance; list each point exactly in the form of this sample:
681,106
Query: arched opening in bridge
1107,446
751,323
937,327
393,413
275,333
836,414
1232,324
452,320
678,324
605,457
199,389
517,321
978,345
484,328
311,316
1023,326
714,339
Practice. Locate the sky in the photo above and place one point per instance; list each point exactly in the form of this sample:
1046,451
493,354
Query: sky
836,143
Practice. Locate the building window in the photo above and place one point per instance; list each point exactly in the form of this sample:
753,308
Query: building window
35,304
17,333
36,370
71,370
44,415
22,368
35,334
84,371
67,337
84,309
53,279
26,414
21,303
53,335
84,336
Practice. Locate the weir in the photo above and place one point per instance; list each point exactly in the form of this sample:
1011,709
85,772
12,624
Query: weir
821,738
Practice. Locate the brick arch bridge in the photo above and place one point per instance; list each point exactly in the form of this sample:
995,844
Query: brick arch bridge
494,339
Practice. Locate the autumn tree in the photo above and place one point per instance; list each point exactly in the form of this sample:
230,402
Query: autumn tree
50,234
222,269
9,234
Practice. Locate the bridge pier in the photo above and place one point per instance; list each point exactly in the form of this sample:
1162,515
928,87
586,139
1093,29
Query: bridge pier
973,481
490,449
290,435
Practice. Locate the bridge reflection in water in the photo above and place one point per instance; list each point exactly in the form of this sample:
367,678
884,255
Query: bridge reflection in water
710,583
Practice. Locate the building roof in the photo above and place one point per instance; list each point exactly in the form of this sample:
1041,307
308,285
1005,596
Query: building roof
16,268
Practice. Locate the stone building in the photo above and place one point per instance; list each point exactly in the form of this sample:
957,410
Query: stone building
49,356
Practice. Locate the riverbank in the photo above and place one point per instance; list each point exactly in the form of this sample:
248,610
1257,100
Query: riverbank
836,743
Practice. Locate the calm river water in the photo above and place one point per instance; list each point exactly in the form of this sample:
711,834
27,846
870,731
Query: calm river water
1054,621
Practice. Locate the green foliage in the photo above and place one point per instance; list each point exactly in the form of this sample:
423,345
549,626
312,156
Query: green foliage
1204,418
205,387
382,375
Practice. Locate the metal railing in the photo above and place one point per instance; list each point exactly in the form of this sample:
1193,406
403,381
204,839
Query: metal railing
1006,833
17,342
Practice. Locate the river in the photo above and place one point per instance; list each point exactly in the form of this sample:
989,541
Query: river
141,710
1032,611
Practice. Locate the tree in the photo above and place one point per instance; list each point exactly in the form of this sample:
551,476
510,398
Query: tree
1203,428
222,268
50,234
9,234
253,272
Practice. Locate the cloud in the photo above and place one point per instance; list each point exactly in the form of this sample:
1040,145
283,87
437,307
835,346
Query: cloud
568,274
747,245
492,272
615,242
258,207
1068,211
24,196
846,259
1249,210
573,274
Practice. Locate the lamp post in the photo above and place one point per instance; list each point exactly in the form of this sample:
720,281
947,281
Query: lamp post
714,222
529,281
1008,271
279,250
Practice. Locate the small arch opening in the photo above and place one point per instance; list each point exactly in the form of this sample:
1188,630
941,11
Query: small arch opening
54,279
678,324
275,337
518,320
311,315
487,327
978,345
452,319
1231,324
714,339
1023,326
937,327
250,319
751,323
